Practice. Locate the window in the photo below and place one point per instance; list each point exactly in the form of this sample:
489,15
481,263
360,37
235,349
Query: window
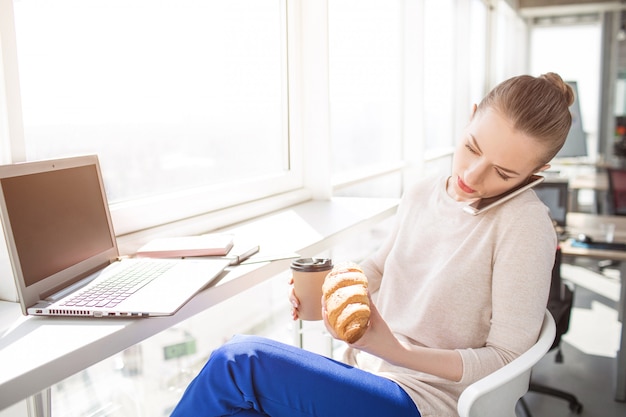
181,99
573,50
455,69
510,43
477,51
439,74
365,85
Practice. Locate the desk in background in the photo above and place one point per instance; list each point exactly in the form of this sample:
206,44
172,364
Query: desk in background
591,225
585,177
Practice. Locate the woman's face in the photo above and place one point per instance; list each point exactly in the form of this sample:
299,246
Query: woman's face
492,158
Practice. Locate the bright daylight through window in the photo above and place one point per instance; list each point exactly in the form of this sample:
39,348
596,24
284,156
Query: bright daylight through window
171,95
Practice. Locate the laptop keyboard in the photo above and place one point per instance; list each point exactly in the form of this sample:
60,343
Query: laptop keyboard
120,286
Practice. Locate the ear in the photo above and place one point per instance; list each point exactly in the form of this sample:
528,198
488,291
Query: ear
474,107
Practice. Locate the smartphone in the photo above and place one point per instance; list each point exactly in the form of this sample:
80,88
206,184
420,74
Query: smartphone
484,204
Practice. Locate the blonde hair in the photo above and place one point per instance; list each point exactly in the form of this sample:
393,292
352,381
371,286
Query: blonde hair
537,107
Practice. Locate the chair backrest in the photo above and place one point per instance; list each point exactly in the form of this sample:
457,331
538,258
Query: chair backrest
617,191
560,300
497,394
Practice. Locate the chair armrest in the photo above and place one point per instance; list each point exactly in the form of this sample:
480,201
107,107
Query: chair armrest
497,394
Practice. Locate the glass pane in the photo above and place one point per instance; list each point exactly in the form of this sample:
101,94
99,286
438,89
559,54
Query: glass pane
548,54
509,59
171,94
439,73
478,51
365,49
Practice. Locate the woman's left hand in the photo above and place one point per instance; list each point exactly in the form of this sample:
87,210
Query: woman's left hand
380,341
377,340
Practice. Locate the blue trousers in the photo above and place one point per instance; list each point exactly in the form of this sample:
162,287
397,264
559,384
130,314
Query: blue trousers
252,376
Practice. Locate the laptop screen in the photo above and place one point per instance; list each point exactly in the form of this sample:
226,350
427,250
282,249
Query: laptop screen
57,219
56,223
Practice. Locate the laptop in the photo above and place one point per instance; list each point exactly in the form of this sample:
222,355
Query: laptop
62,245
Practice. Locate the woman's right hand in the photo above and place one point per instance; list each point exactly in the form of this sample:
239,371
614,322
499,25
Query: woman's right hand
293,300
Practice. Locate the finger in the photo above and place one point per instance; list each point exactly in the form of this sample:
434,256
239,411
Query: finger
329,328
293,299
372,305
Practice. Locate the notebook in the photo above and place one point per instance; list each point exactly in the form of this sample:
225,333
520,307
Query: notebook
61,243
212,244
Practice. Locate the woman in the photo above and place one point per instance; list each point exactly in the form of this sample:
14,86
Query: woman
455,296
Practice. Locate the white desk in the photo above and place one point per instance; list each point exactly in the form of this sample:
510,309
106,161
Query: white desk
37,352
589,224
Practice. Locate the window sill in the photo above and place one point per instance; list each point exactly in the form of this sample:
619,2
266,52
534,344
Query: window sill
307,228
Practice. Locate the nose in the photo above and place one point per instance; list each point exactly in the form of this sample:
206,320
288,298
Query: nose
475,173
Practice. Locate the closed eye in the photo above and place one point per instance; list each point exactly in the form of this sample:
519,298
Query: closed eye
472,146
502,175
471,149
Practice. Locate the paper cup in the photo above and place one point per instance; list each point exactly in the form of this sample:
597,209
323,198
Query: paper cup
308,278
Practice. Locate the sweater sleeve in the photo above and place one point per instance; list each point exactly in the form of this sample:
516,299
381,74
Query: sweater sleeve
522,264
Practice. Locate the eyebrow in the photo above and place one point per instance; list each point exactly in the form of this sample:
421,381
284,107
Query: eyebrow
475,144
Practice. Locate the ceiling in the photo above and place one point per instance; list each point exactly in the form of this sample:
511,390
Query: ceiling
543,3
531,8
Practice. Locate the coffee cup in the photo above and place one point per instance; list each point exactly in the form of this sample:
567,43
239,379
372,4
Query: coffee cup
308,278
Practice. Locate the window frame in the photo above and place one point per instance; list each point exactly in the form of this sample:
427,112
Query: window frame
155,211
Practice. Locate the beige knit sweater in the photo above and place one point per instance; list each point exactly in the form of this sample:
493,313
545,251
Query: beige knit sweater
447,279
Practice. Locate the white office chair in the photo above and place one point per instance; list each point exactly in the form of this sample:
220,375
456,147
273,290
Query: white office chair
497,394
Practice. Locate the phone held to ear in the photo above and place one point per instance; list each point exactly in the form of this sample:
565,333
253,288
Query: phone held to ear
484,204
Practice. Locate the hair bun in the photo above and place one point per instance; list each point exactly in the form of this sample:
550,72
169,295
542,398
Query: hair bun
566,89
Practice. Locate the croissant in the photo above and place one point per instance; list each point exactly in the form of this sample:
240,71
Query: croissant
347,303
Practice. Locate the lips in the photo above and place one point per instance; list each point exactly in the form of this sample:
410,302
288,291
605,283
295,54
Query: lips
464,186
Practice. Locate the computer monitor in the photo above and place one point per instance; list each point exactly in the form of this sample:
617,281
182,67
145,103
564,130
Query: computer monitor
576,143
553,192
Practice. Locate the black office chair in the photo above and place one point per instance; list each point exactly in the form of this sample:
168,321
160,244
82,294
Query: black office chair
560,302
